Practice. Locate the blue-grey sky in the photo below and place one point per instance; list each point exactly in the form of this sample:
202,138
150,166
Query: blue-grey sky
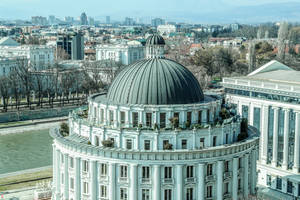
193,10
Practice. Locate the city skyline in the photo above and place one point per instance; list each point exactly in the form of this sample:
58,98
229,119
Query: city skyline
191,11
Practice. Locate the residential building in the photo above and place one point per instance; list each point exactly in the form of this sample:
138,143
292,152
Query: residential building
72,44
129,21
128,149
157,21
269,98
126,53
107,19
39,20
166,29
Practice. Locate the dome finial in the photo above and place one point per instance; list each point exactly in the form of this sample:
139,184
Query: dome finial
155,46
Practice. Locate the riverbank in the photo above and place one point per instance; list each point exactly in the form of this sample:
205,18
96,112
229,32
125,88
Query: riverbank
30,125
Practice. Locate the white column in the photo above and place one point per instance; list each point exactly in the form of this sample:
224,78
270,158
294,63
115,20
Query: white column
264,134
286,139
58,180
240,108
77,179
235,179
133,181
94,182
179,182
201,184
66,179
275,138
297,144
156,183
246,176
220,180
253,171
115,118
141,118
54,166
112,179
127,118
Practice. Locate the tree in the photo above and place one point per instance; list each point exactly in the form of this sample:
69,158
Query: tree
4,91
15,85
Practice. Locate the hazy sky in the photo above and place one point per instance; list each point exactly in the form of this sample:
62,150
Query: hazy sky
117,8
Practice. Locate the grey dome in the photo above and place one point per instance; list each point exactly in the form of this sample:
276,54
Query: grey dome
155,39
155,82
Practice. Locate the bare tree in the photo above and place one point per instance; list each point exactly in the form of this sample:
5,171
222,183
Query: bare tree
15,85
4,91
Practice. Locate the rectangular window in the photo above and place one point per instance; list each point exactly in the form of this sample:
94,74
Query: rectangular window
123,193
199,116
239,184
122,115
168,194
85,187
209,170
278,183
85,166
168,172
101,115
226,189
149,119
71,161
123,171
145,172
209,191
208,116
147,144
240,163
145,194
72,183
226,166
189,117
226,138
162,120
111,117
269,180
103,191
103,169
189,194
165,142
128,143
214,141
96,140
176,115
184,144
190,171
289,187
135,119
202,144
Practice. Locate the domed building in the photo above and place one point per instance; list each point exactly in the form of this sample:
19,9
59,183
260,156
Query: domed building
154,136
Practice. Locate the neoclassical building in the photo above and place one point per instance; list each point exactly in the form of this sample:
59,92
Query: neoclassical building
154,136
269,98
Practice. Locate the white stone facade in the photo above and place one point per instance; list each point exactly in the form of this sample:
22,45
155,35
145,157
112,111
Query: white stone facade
124,53
274,108
7,65
206,162
39,57
166,29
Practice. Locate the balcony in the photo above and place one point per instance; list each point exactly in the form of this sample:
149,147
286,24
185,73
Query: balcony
168,181
210,178
145,180
227,196
227,175
190,180
123,180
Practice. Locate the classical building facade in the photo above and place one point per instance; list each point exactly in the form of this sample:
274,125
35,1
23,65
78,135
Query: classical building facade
269,98
154,136
124,53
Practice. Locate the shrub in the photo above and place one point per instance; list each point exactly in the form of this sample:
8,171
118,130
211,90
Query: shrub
89,143
187,124
168,146
155,126
107,143
174,121
64,129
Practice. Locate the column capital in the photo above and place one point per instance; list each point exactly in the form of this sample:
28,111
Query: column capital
275,108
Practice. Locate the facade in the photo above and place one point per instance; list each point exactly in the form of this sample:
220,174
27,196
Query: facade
73,45
125,53
7,65
127,149
270,99
166,29
40,57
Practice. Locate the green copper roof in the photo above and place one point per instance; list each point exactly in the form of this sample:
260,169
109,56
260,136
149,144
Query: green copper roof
155,39
157,82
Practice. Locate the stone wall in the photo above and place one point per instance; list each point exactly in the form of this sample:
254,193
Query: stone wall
35,114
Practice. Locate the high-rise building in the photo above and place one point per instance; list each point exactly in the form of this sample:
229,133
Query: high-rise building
51,19
72,44
154,135
107,19
129,21
269,98
91,21
157,21
83,19
39,20
69,19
